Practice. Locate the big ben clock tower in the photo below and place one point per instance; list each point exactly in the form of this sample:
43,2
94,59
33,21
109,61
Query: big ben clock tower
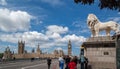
69,48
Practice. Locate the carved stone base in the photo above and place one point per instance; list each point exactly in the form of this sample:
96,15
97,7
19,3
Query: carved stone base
101,53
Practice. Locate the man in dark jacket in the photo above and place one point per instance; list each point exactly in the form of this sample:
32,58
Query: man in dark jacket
49,62
67,60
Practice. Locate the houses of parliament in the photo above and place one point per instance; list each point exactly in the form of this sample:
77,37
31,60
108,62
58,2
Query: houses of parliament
22,53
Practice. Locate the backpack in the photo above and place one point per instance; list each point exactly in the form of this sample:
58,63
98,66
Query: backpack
82,59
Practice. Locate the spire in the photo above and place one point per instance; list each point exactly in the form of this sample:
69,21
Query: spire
69,48
38,49
69,44
38,46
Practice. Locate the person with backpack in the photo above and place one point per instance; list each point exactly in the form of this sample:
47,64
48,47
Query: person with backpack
82,61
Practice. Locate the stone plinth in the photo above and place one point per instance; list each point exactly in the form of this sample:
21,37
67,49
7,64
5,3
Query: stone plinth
101,52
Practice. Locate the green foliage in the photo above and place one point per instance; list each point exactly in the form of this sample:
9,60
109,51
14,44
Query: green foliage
1,55
110,4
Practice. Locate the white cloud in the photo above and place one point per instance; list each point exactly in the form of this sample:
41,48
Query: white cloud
119,13
12,21
77,23
56,29
75,38
59,48
116,19
32,38
3,2
82,25
54,36
53,2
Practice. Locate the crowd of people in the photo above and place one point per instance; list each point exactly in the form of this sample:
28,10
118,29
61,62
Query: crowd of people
68,62
71,62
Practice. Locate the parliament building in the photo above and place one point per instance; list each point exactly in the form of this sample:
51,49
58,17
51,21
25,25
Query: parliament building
22,53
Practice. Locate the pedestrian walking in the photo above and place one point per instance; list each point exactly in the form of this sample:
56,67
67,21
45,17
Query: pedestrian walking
67,60
49,62
75,59
72,64
61,62
86,63
3,59
82,62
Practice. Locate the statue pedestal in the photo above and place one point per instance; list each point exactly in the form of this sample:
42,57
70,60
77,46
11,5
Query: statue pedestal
101,52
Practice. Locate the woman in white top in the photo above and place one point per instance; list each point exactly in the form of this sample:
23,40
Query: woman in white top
61,62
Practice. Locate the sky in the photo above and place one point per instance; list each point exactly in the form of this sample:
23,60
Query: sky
49,23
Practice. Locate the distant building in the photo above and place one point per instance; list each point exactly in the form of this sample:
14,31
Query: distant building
61,53
21,46
22,53
69,48
33,50
7,53
38,49
58,53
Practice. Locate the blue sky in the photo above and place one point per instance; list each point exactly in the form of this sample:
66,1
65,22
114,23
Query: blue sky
50,23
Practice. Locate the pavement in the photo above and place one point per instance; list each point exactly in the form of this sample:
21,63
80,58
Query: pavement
37,64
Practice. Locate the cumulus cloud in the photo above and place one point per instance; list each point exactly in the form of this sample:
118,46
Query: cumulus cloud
12,21
77,24
56,29
32,38
118,12
53,2
59,48
75,38
54,36
117,19
3,2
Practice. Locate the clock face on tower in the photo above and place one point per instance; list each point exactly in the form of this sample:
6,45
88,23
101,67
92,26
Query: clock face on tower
69,46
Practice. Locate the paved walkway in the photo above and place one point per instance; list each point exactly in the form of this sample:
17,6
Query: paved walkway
55,65
31,65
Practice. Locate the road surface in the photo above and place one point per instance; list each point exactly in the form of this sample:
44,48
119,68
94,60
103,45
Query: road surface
37,64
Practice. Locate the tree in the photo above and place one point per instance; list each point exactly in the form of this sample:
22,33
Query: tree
110,4
1,55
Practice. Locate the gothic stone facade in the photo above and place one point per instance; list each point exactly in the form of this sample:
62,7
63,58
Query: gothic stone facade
22,53
37,54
